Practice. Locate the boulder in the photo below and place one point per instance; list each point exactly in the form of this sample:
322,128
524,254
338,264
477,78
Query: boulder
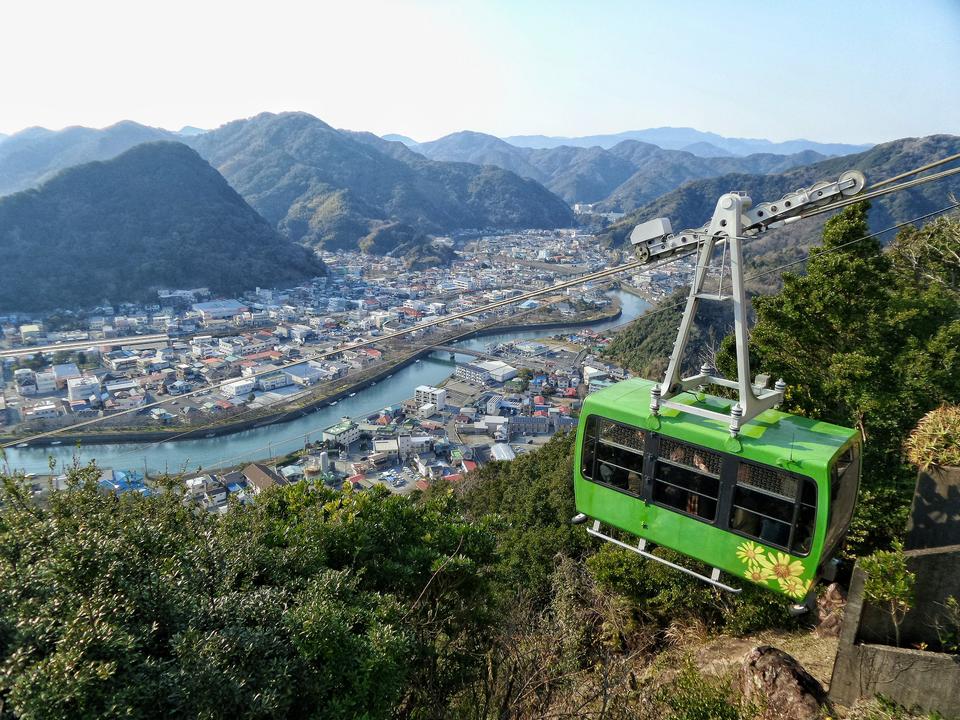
777,683
830,606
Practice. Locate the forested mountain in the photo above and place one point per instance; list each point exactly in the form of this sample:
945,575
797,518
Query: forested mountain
696,141
693,204
624,177
327,188
33,155
156,216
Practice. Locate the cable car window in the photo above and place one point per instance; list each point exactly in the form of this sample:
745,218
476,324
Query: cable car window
687,478
844,483
775,508
612,455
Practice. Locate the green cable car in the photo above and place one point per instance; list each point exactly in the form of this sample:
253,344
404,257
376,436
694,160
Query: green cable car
735,484
769,505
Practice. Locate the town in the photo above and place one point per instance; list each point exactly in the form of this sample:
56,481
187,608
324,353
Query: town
191,364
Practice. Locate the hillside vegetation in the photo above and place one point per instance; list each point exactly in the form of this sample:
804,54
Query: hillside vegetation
157,216
327,188
692,205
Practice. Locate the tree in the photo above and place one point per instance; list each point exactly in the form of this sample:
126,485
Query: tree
866,339
890,583
309,603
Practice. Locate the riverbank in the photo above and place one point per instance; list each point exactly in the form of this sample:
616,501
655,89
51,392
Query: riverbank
314,403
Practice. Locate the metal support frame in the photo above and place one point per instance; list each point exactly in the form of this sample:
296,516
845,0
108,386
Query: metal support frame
641,549
725,227
734,218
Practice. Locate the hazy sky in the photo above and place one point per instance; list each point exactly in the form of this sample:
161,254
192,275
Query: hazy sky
832,71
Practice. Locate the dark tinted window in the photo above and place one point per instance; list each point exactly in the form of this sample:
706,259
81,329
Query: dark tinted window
687,478
774,507
844,482
612,455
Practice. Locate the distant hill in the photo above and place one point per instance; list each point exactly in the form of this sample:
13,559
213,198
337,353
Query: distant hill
393,137
670,138
658,172
327,188
692,205
622,178
157,216
31,156
190,131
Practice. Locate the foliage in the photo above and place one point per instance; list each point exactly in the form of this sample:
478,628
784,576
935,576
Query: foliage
694,696
157,216
309,603
645,345
531,499
890,583
864,342
880,708
936,439
663,596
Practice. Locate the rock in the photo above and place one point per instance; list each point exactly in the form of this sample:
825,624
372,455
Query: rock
830,611
777,683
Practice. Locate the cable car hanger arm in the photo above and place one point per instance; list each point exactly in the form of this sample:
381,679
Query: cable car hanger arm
734,220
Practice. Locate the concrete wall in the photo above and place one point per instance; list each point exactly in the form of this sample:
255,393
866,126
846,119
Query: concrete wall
938,577
935,514
867,665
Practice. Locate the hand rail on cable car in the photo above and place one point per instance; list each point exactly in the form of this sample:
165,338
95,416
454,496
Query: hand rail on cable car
641,549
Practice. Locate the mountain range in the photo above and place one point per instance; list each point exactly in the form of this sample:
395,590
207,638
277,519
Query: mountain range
621,178
705,144
156,216
692,204
327,188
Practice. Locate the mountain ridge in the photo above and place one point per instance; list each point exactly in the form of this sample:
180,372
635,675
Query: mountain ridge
156,216
329,188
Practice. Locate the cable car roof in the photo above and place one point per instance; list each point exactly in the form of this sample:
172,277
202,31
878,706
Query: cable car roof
773,438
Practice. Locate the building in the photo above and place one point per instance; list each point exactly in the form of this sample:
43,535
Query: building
480,372
343,433
219,309
82,388
46,381
239,388
502,451
46,410
304,374
260,477
427,394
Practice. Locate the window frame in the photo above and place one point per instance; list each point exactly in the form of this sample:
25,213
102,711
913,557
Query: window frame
833,537
798,505
650,479
595,420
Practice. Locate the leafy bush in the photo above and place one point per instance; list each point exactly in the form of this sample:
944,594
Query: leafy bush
890,583
663,595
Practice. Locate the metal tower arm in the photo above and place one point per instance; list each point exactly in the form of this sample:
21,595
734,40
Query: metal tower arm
735,219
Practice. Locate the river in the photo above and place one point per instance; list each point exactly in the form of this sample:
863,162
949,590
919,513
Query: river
282,438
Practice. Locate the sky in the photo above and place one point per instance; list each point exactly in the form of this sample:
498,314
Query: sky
842,71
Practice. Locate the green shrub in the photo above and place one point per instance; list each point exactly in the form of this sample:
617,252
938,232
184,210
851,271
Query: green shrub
936,439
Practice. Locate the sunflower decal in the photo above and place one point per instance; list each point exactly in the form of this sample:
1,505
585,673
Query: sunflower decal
757,573
768,567
749,552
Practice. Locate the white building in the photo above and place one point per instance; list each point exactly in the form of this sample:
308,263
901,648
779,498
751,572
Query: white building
239,388
82,388
343,433
427,394
46,381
